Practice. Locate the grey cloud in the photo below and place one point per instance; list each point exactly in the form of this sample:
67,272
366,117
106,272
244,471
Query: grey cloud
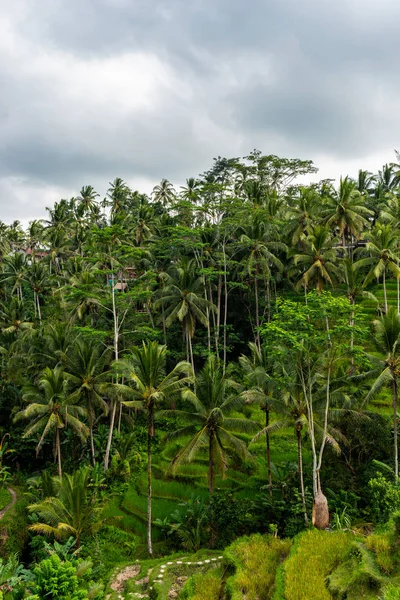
302,78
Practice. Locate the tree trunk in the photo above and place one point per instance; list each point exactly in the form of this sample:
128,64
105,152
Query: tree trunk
150,433
267,441
210,466
219,293
384,290
58,450
38,308
110,435
116,356
257,336
191,350
225,308
301,476
396,456
163,323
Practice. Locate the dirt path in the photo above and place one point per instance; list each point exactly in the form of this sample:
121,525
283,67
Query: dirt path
10,504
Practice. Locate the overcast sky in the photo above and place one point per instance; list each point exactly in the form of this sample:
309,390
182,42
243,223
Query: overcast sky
145,89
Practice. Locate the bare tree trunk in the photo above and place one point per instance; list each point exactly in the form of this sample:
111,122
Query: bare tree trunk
191,350
116,356
210,466
150,433
58,450
257,337
92,444
384,290
301,475
396,455
225,308
38,308
163,323
268,447
219,293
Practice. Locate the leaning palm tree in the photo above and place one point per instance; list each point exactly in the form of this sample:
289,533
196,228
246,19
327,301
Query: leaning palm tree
71,511
50,410
209,426
86,372
150,385
382,247
387,342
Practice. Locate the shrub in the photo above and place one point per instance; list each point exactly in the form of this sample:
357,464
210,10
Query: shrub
202,587
391,592
314,556
256,559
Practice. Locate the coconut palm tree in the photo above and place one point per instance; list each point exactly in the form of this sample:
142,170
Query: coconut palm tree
302,212
209,425
14,272
85,371
183,300
345,211
87,200
71,511
150,385
260,248
318,260
259,382
164,193
50,410
382,246
13,316
387,342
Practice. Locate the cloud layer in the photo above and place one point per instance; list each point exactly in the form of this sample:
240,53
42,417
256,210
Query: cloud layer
156,88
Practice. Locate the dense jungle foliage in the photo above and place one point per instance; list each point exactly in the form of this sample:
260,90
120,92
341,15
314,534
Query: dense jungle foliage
209,375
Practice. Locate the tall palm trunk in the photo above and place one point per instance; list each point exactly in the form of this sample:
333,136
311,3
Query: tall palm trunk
150,434
384,290
225,308
301,475
396,456
210,466
90,423
116,355
267,441
58,450
257,336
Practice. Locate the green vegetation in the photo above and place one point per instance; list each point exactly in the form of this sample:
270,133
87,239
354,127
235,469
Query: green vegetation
204,372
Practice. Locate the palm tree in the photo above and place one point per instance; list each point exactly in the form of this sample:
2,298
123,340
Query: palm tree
164,193
85,372
150,386
302,212
87,200
191,191
383,249
256,368
182,299
260,248
14,272
13,316
37,278
317,260
387,342
50,410
345,210
71,511
209,425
